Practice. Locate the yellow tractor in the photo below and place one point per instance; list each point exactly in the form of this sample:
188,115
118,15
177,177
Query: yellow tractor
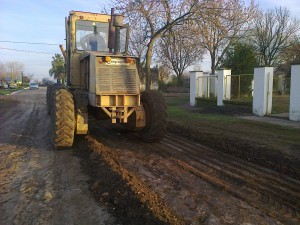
101,80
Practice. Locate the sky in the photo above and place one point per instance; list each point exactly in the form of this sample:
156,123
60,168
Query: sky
33,21
43,21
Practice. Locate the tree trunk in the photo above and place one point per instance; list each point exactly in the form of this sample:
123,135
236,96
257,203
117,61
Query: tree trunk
213,66
179,80
148,64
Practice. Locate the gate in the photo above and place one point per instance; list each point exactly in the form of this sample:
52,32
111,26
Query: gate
241,86
281,94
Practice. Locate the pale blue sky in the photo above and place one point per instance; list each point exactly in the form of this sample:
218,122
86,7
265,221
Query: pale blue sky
43,21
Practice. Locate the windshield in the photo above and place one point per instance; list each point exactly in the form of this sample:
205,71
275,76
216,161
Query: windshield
91,36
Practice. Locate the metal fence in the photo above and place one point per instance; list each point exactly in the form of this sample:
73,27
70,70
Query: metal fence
241,85
281,84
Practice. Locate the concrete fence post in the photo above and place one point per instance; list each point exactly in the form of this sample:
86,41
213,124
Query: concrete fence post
195,86
263,89
224,85
295,93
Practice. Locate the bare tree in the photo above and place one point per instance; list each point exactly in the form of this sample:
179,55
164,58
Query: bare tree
138,47
155,18
2,71
273,32
30,76
14,69
163,73
180,49
291,54
26,79
220,22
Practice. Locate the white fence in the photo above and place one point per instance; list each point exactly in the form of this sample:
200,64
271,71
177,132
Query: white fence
219,85
202,85
205,85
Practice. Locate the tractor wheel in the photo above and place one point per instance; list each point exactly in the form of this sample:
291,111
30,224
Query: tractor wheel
156,116
50,90
62,119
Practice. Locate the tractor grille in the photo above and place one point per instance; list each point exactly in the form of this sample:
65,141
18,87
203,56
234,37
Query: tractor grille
117,80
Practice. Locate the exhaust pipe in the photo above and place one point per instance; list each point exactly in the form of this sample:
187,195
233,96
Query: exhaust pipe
118,24
111,34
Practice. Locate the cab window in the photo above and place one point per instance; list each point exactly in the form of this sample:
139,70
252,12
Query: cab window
91,36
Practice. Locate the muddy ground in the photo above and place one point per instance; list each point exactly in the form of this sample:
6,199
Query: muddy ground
37,184
112,177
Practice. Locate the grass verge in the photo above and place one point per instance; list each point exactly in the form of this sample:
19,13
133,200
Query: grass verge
9,91
219,122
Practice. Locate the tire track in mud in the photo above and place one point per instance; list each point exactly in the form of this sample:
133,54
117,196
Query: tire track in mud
28,184
265,191
39,185
146,196
262,188
24,189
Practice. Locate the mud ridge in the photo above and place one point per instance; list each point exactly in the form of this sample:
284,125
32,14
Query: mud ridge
121,190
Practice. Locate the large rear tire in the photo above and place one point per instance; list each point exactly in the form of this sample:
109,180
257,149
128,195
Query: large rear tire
62,119
156,116
50,89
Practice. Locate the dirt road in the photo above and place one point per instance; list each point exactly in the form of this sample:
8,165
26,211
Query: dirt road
37,184
112,177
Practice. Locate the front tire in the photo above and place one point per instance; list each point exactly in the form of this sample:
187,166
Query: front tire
156,116
62,119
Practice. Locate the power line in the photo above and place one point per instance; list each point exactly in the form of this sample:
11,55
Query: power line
19,50
31,43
